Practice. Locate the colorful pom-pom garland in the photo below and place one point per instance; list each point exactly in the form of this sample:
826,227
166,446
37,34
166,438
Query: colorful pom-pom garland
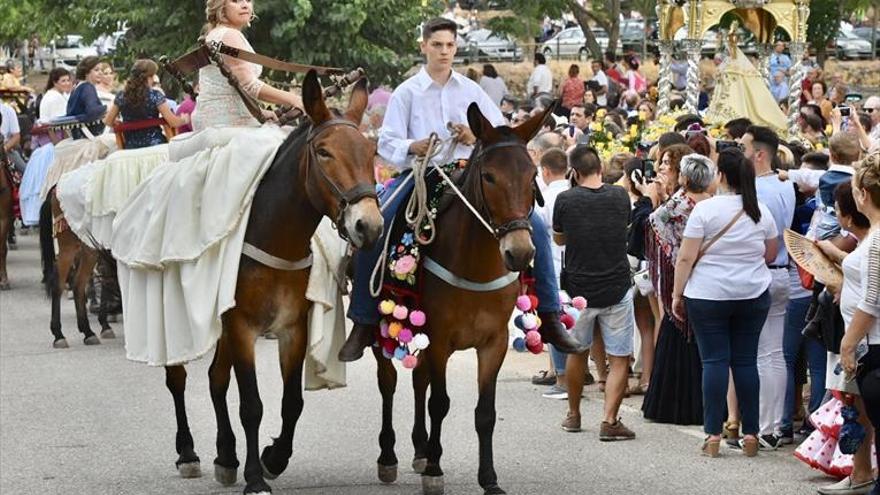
400,337
529,324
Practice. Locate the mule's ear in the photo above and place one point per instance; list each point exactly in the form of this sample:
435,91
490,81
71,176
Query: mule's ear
481,127
527,130
358,101
313,99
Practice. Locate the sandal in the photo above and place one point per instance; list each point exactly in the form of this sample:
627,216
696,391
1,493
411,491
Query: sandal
711,448
731,429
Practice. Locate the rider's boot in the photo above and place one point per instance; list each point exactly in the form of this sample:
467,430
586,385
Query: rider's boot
554,332
361,337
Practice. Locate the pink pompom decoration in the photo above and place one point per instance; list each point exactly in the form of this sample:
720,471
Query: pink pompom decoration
410,362
564,298
383,329
523,303
579,303
400,312
533,338
533,302
536,348
417,318
405,336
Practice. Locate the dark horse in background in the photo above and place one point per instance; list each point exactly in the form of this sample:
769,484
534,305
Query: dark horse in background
74,264
499,182
322,168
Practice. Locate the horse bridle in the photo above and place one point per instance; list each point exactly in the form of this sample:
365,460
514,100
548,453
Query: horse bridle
344,198
522,223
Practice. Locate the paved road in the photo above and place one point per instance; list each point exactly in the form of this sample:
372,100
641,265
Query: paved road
86,421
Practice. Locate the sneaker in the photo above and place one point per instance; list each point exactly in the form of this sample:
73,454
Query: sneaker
609,432
805,431
556,392
769,442
786,436
544,377
847,487
572,423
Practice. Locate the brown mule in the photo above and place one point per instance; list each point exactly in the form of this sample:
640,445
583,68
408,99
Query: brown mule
323,168
6,220
76,259
499,183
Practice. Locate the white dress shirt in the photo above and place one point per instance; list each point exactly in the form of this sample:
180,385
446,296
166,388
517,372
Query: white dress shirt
420,106
542,78
550,193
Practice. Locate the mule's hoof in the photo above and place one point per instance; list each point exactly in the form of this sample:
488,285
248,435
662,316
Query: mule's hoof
91,340
190,469
432,485
108,334
494,490
60,344
266,473
4,286
387,474
225,476
419,464
270,336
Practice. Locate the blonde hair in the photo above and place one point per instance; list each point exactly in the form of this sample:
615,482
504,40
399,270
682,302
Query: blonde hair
215,15
868,177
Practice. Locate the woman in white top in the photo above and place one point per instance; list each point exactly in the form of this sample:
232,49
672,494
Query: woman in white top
860,302
106,86
722,276
219,103
54,101
492,84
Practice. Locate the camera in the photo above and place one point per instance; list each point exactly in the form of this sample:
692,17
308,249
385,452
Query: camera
723,145
648,169
845,111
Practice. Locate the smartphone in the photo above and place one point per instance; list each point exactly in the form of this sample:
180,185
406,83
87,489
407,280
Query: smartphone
845,111
723,145
648,169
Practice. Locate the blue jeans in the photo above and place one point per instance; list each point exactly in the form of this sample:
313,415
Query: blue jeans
364,308
793,341
727,335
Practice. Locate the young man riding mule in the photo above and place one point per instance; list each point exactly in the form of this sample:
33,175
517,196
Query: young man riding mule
423,105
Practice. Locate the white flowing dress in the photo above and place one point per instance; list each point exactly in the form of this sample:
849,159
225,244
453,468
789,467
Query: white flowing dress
178,239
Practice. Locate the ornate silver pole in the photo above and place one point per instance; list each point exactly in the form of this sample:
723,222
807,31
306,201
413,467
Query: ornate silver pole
693,48
796,80
664,82
764,51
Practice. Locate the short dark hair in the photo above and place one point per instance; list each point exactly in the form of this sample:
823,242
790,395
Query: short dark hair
85,66
817,159
814,122
629,167
438,24
590,109
585,161
700,144
555,161
55,75
737,127
765,137
685,121
489,70
539,58
573,70
668,139
844,198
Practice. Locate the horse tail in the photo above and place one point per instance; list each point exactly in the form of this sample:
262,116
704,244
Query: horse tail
47,248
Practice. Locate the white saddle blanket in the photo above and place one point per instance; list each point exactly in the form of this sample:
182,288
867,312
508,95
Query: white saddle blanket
70,154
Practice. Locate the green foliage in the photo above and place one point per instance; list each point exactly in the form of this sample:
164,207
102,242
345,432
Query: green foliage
379,35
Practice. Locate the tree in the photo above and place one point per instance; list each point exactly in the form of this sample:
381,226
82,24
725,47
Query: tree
603,13
824,22
379,35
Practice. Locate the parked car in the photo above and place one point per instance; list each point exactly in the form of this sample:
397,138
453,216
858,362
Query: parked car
66,52
571,43
865,33
849,46
714,40
484,45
